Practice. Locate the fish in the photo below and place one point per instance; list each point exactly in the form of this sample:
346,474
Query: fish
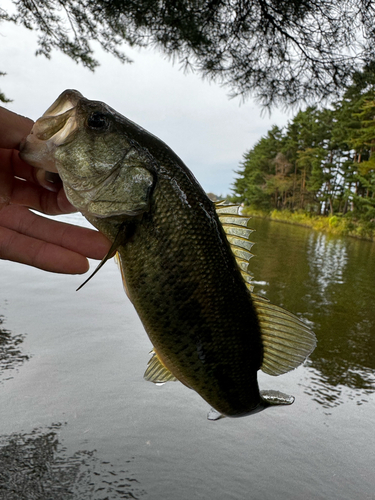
184,259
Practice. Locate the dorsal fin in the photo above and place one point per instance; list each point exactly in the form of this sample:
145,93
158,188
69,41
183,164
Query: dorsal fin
237,232
156,371
287,341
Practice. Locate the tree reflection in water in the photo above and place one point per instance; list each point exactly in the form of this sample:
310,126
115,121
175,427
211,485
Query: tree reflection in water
11,356
327,259
36,466
342,303
328,282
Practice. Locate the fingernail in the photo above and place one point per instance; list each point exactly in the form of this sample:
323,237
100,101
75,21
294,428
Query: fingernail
52,177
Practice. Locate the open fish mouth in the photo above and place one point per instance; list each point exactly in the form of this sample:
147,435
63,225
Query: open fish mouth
49,126
59,119
51,130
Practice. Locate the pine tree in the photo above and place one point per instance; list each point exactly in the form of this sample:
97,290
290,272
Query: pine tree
323,162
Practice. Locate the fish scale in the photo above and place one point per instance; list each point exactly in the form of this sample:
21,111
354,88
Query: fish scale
184,260
206,301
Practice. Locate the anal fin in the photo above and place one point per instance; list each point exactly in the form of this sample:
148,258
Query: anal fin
157,372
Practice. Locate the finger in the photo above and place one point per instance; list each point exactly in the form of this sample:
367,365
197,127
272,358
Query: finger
87,242
23,170
49,180
11,165
6,177
33,252
13,128
33,196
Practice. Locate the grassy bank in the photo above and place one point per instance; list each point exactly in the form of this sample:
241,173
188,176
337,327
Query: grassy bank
337,224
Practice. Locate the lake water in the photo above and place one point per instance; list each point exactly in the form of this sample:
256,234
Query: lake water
77,420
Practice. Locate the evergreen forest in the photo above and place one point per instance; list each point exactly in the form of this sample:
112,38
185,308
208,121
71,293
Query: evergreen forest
321,163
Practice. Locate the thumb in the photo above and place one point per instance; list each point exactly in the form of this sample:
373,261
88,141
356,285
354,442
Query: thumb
13,128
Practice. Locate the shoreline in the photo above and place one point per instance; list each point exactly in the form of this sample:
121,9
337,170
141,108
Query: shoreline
335,224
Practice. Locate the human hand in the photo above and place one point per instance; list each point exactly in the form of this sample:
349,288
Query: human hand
29,238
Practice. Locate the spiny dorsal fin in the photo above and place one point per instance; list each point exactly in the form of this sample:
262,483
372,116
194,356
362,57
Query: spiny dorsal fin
156,372
287,341
237,232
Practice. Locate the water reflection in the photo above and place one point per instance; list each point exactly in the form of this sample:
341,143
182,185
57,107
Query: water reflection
345,319
36,466
328,282
321,390
327,260
11,356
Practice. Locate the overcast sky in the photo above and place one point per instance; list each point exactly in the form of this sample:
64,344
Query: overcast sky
209,131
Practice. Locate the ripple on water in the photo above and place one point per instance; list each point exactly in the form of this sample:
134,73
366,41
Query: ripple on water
37,466
321,390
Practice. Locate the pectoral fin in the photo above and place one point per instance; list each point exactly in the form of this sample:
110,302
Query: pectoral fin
118,262
111,252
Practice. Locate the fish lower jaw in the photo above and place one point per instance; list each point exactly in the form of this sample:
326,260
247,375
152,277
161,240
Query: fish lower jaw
38,153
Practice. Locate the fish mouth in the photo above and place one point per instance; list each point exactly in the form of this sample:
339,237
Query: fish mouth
59,120
53,128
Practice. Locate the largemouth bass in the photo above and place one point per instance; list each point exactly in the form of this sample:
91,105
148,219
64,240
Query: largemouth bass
184,260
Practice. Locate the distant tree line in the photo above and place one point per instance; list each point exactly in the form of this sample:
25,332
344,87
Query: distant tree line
322,162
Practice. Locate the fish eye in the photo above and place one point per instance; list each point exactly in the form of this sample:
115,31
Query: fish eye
97,121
